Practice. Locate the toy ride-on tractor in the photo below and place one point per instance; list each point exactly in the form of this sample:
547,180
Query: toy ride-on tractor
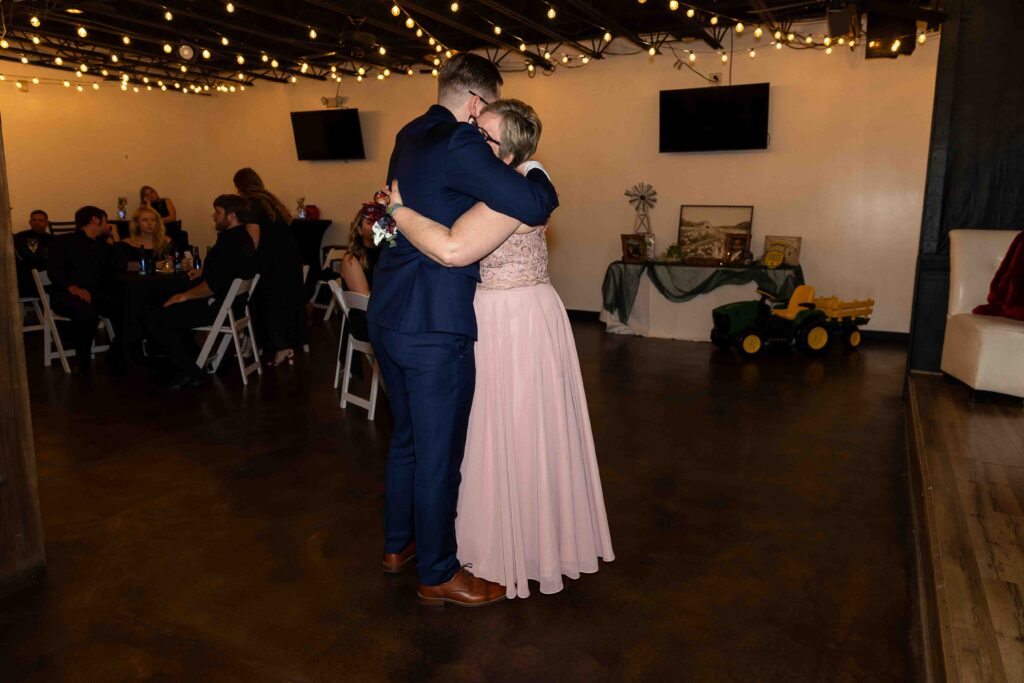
810,323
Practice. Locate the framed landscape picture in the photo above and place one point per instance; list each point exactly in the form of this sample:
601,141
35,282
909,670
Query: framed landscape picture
704,231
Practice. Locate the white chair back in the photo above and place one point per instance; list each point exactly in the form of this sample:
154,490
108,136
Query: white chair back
333,255
230,329
348,302
974,257
53,347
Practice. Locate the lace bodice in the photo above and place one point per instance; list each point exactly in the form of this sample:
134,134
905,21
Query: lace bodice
521,261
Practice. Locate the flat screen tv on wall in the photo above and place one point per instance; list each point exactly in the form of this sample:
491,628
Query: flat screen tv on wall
328,134
714,119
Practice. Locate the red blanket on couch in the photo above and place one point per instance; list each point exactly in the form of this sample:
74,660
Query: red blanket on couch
1006,294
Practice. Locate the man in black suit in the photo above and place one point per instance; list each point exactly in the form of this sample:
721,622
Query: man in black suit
233,256
31,248
78,264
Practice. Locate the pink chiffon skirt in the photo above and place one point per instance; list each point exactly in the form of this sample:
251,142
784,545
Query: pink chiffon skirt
530,505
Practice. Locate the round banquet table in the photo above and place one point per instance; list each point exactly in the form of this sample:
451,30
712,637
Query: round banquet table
142,294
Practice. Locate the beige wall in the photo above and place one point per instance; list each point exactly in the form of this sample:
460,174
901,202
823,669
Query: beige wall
845,169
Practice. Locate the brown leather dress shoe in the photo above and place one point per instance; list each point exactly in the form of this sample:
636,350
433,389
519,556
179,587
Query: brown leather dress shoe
464,590
394,563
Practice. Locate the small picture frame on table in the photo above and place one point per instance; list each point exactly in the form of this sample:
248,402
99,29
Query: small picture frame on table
637,248
781,250
737,249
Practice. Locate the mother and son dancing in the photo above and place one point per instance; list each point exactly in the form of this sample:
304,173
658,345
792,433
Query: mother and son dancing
530,505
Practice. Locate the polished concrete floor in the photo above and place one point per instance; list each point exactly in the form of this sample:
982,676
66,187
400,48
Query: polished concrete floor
233,534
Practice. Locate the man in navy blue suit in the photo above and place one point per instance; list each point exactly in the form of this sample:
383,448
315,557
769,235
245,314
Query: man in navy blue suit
423,327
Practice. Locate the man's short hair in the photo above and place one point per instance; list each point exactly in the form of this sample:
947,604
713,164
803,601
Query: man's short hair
467,71
233,203
520,129
40,211
84,216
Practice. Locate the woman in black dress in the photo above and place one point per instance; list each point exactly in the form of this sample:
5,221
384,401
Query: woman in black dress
163,205
279,311
146,236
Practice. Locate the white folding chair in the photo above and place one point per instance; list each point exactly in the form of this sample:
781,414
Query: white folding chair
232,329
336,290
350,301
52,345
332,257
30,306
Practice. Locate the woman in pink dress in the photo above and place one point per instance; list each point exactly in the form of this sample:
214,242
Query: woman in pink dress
530,504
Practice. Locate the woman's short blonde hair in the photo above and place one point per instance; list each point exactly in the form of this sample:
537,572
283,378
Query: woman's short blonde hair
160,239
520,129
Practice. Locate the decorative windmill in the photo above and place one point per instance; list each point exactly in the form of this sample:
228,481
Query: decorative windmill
636,249
643,197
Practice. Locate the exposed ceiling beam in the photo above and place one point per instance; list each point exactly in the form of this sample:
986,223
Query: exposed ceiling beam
601,19
537,60
540,28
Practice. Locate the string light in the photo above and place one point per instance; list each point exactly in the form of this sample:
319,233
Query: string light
58,61
396,10
126,40
565,59
828,50
224,41
778,35
714,21
240,59
167,48
230,7
790,37
83,67
522,47
206,53
529,67
293,79
552,13
547,56
34,21
380,77
725,58
104,73
273,63
24,60
778,46
607,37
312,34
409,72
497,30
387,72
409,23
18,85
433,72
753,53
896,45
4,44
303,67
168,16
921,38
67,84
437,48
693,56
652,51
454,7
758,32
808,40
95,86
359,79
740,27
383,50
419,33
361,71
585,59
828,41
113,58
691,13
35,40
673,5
35,80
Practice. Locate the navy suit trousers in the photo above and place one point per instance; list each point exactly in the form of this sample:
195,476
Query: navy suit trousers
430,377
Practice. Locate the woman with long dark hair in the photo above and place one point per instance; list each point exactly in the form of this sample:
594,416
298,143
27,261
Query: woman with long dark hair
278,303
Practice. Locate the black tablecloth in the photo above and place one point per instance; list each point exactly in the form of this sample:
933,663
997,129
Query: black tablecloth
141,294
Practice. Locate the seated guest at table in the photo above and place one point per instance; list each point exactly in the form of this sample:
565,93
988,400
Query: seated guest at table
163,205
30,250
78,264
279,305
146,236
357,265
233,256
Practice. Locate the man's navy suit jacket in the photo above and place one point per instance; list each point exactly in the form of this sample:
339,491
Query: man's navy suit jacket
443,168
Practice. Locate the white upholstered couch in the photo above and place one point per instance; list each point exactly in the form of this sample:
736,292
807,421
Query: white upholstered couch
984,352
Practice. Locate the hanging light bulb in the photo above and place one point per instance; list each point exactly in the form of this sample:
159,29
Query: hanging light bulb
312,34
522,47
387,73
18,85
183,69
383,50
585,59
828,50
206,53
691,13
437,48
652,51
35,40
758,32
740,27
82,33
529,67
34,21
114,59
714,21
274,63
673,5
58,61
409,23
359,79
842,41
294,79
409,72
497,30
83,67
433,72
396,10
240,59
35,80
126,40
778,35
24,60
303,67
565,59
828,41
437,62
230,7
778,46
104,73
921,38
380,77
224,41
454,7
753,53
168,16
167,48
334,69
447,54
552,13
791,37
361,71
419,33
607,37
725,58
693,56
67,84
